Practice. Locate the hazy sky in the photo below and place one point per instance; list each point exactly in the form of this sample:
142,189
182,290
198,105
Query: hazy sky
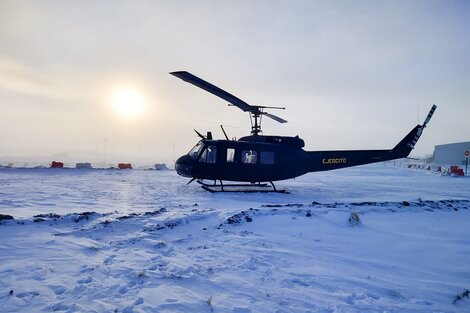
352,74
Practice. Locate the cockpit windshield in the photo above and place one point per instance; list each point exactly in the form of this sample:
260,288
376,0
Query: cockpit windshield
195,151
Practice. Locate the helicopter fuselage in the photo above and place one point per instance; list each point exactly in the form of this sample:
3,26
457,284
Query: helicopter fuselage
271,158
260,159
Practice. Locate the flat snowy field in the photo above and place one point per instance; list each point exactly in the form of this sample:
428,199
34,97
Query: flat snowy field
143,241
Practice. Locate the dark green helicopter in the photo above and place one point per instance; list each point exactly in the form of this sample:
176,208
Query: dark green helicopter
256,160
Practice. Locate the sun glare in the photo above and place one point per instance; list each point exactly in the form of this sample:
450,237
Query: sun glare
128,102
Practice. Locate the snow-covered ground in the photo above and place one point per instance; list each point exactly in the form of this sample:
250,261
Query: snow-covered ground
143,241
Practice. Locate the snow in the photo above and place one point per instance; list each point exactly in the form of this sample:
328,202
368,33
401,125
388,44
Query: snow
143,241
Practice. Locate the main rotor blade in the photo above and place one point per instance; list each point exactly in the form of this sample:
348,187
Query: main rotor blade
200,135
196,81
276,118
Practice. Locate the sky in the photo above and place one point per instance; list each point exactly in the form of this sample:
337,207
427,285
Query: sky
351,74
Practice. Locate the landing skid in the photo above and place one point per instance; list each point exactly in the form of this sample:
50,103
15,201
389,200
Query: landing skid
246,188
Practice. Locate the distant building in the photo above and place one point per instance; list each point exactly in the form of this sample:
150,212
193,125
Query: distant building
451,154
161,166
86,165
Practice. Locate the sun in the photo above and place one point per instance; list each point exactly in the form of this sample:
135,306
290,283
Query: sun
128,102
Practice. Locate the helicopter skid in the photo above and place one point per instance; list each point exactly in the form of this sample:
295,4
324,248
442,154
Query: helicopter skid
245,188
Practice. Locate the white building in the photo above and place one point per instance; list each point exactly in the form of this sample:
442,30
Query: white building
451,154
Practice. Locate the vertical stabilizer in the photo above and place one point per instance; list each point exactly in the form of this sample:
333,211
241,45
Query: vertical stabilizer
404,147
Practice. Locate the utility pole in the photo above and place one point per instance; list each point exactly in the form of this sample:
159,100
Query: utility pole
105,150
466,165
467,154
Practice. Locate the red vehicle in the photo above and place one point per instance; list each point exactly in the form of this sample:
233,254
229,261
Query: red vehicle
55,164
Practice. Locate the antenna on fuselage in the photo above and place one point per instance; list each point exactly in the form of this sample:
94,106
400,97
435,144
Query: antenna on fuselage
223,130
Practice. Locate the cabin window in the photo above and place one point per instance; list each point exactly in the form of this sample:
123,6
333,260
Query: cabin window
249,156
267,157
209,155
230,155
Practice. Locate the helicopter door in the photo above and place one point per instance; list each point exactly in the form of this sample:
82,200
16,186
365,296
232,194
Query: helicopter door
209,155
267,157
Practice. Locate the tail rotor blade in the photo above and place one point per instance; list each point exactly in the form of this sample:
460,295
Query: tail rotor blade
428,118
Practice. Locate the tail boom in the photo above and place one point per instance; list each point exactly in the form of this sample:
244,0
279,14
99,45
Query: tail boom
331,160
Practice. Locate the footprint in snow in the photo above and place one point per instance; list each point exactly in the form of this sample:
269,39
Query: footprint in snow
58,290
128,309
168,252
395,293
373,296
85,280
300,282
139,301
86,268
27,293
122,290
241,310
109,259
153,267
58,307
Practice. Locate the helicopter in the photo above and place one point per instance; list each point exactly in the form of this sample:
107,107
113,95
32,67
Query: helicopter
257,159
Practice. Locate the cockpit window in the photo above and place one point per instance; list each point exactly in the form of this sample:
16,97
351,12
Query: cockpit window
195,151
209,155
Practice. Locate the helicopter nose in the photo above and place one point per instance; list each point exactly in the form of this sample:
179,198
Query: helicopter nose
184,166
